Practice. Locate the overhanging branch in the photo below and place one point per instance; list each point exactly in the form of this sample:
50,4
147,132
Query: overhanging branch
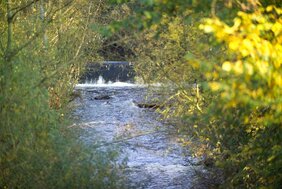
21,8
15,51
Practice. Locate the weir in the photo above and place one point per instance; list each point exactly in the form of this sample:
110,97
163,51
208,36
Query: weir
109,70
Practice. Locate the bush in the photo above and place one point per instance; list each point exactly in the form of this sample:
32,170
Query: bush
37,149
249,86
38,69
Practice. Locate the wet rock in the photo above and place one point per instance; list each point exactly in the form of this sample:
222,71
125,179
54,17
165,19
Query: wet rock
102,97
147,105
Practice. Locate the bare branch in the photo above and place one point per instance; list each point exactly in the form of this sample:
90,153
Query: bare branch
37,34
21,8
15,51
1,44
84,32
52,14
213,8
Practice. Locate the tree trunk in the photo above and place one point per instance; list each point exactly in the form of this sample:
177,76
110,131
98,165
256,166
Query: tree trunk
9,33
42,17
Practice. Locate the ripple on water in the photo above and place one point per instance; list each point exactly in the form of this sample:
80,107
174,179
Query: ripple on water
155,159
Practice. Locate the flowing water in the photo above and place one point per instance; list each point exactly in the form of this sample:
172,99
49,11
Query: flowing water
155,158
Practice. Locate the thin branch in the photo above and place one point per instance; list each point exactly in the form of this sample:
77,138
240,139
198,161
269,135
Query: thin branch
84,31
213,8
58,9
21,8
35,35
15,51
1,45
42,81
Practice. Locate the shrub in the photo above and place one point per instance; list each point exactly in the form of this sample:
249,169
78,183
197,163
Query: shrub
244,121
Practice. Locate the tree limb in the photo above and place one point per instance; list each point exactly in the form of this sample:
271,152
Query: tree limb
1,44
213,8
52,14
84,32
21,8
15,51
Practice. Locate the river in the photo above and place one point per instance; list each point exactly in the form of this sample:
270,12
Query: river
155,158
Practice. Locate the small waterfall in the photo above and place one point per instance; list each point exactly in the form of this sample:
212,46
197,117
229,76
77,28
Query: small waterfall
109,71
100,80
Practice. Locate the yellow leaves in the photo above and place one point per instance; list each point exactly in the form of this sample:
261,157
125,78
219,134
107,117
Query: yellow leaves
238,67
247,46
249,68
207,28
269,8
256,93
276,53
277,79
215,86
246,36
273,8
230,30
252,75
237,23
210,25
226,66
262,67
234,44
277,27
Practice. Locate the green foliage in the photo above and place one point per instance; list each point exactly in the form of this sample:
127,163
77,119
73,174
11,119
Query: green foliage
42,47
37,149
170,57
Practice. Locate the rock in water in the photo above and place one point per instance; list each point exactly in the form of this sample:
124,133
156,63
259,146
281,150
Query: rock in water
146,105
102,97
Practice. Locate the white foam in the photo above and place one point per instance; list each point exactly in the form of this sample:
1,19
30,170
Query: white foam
115,84
101,83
